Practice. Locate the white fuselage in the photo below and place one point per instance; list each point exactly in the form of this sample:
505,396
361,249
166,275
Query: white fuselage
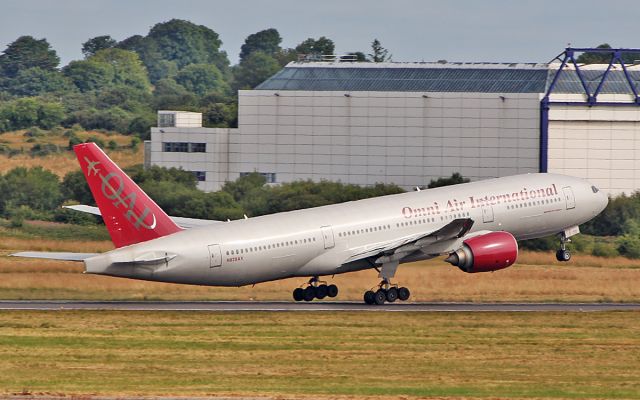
321,241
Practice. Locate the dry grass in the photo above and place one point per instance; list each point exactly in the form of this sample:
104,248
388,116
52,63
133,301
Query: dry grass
11,245
429,281
63,163
323,355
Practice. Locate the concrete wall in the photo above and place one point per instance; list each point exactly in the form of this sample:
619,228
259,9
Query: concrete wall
214,162
601,144
390,137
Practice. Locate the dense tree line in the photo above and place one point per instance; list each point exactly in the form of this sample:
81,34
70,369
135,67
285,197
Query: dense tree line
36,193
120,85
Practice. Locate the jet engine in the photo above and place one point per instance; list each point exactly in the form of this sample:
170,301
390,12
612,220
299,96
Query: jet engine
489,252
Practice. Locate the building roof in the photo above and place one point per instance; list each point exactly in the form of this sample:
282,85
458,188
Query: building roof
443,77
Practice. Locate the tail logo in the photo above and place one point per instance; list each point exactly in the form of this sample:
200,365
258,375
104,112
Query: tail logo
119,197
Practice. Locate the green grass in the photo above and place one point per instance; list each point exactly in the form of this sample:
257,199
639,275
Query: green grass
53,231
508,355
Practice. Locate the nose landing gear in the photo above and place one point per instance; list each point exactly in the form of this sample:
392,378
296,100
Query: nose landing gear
563,255
316,289
386,292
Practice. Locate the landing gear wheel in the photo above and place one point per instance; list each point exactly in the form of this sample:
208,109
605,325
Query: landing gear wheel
380,297
369,297
404,294
332,290
298,294
321,292
563,255
309,293
392,295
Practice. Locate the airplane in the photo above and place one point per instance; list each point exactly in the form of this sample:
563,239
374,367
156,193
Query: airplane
475,225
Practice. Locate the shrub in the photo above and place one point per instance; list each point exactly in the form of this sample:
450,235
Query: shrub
604,250
629,246
41,150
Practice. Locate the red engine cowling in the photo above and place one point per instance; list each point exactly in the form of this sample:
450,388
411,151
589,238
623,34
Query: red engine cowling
490,252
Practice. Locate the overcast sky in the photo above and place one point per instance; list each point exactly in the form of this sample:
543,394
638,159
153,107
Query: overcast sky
412,30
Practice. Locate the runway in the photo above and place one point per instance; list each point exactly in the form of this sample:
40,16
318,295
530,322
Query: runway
284,306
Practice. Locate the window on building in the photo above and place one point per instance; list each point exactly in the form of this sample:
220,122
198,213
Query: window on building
184,147
166,120
269,176
197,147
201,176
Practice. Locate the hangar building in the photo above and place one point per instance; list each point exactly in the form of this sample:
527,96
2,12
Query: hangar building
408,123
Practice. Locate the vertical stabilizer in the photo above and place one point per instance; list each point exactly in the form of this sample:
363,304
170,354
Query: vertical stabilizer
129,214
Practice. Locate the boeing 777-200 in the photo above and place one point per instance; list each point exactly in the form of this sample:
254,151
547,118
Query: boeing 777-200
476,225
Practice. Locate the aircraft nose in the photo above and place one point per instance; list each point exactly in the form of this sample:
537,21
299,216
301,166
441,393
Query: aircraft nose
603,201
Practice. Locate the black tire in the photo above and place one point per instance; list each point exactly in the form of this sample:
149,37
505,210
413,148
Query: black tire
309,293
332,290
392,295
563,255
380,297
298,294
404,294
369,297
321,292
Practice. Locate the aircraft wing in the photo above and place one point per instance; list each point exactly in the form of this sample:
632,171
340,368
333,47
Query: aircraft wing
397,249
182,222
55,256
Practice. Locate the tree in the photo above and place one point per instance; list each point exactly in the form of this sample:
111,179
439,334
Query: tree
380,54
168,95
36,81
27,52
221,115
187,43
30,111
127,68
93,45
285,56
35,187
321,46
89,75
595,58
74,186
255,69
605,57
244,185
455,179
267,41
202,79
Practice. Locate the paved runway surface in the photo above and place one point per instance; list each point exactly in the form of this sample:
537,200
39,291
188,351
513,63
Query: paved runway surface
230,306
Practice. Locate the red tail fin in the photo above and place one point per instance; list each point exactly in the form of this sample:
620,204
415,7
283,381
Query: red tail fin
130,215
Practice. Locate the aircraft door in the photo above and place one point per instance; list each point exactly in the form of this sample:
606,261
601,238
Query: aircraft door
215,256
569,197
327,236
487,213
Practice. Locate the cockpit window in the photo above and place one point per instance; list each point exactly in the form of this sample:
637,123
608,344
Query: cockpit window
595,189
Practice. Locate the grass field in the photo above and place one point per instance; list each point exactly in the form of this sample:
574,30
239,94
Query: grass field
392,355
64,162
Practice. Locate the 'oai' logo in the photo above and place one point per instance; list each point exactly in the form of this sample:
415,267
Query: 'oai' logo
112,188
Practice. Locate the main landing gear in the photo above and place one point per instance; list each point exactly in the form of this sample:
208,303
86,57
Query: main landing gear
386,292
316,289
563,254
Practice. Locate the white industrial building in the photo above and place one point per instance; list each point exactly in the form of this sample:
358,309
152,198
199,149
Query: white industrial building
408,123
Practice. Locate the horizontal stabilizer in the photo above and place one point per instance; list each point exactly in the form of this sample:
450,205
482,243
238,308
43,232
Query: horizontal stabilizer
54,255
182,222
154,257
